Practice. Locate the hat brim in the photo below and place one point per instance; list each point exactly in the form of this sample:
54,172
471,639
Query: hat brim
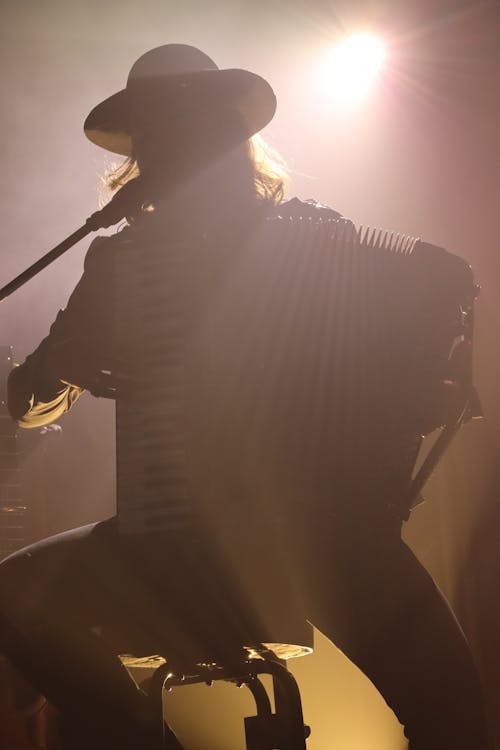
244,101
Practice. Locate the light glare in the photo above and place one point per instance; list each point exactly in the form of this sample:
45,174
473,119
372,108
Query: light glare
355,65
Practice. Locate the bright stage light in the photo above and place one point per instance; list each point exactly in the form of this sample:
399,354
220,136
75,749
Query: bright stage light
355,65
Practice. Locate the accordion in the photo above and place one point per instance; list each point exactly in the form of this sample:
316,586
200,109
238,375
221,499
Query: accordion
295,365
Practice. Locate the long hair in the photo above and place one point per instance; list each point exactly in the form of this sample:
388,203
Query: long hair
265,168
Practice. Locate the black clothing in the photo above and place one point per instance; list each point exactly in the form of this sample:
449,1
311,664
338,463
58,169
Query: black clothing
364,589
356,580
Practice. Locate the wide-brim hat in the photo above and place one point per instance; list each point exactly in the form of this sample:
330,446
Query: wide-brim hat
174,83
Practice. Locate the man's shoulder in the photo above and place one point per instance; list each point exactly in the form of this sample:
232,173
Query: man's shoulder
102,248
306,209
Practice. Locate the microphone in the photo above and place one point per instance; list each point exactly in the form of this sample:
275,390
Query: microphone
125,202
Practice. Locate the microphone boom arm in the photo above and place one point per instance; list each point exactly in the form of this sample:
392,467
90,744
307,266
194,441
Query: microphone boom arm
122,204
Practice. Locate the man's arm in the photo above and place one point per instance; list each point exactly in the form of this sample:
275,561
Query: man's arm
51,379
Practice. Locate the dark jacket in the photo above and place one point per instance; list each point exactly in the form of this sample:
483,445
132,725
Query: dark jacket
34,399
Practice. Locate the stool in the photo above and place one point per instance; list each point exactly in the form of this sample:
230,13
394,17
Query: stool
282,730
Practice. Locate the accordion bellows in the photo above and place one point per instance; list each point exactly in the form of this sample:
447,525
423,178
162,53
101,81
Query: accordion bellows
292,366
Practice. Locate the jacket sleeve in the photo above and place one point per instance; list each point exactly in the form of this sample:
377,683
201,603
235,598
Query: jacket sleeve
33,398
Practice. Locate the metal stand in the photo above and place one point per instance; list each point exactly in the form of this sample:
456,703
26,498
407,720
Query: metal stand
282,730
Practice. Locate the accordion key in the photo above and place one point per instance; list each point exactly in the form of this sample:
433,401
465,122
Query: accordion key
153,297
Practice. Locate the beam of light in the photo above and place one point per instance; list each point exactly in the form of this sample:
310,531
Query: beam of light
354,67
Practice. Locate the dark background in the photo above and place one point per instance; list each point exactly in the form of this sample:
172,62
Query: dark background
419,155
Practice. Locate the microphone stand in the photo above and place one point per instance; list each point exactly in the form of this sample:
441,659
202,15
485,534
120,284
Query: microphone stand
122,204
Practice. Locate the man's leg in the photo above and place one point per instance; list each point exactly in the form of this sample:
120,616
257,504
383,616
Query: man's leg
54,597
370,595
